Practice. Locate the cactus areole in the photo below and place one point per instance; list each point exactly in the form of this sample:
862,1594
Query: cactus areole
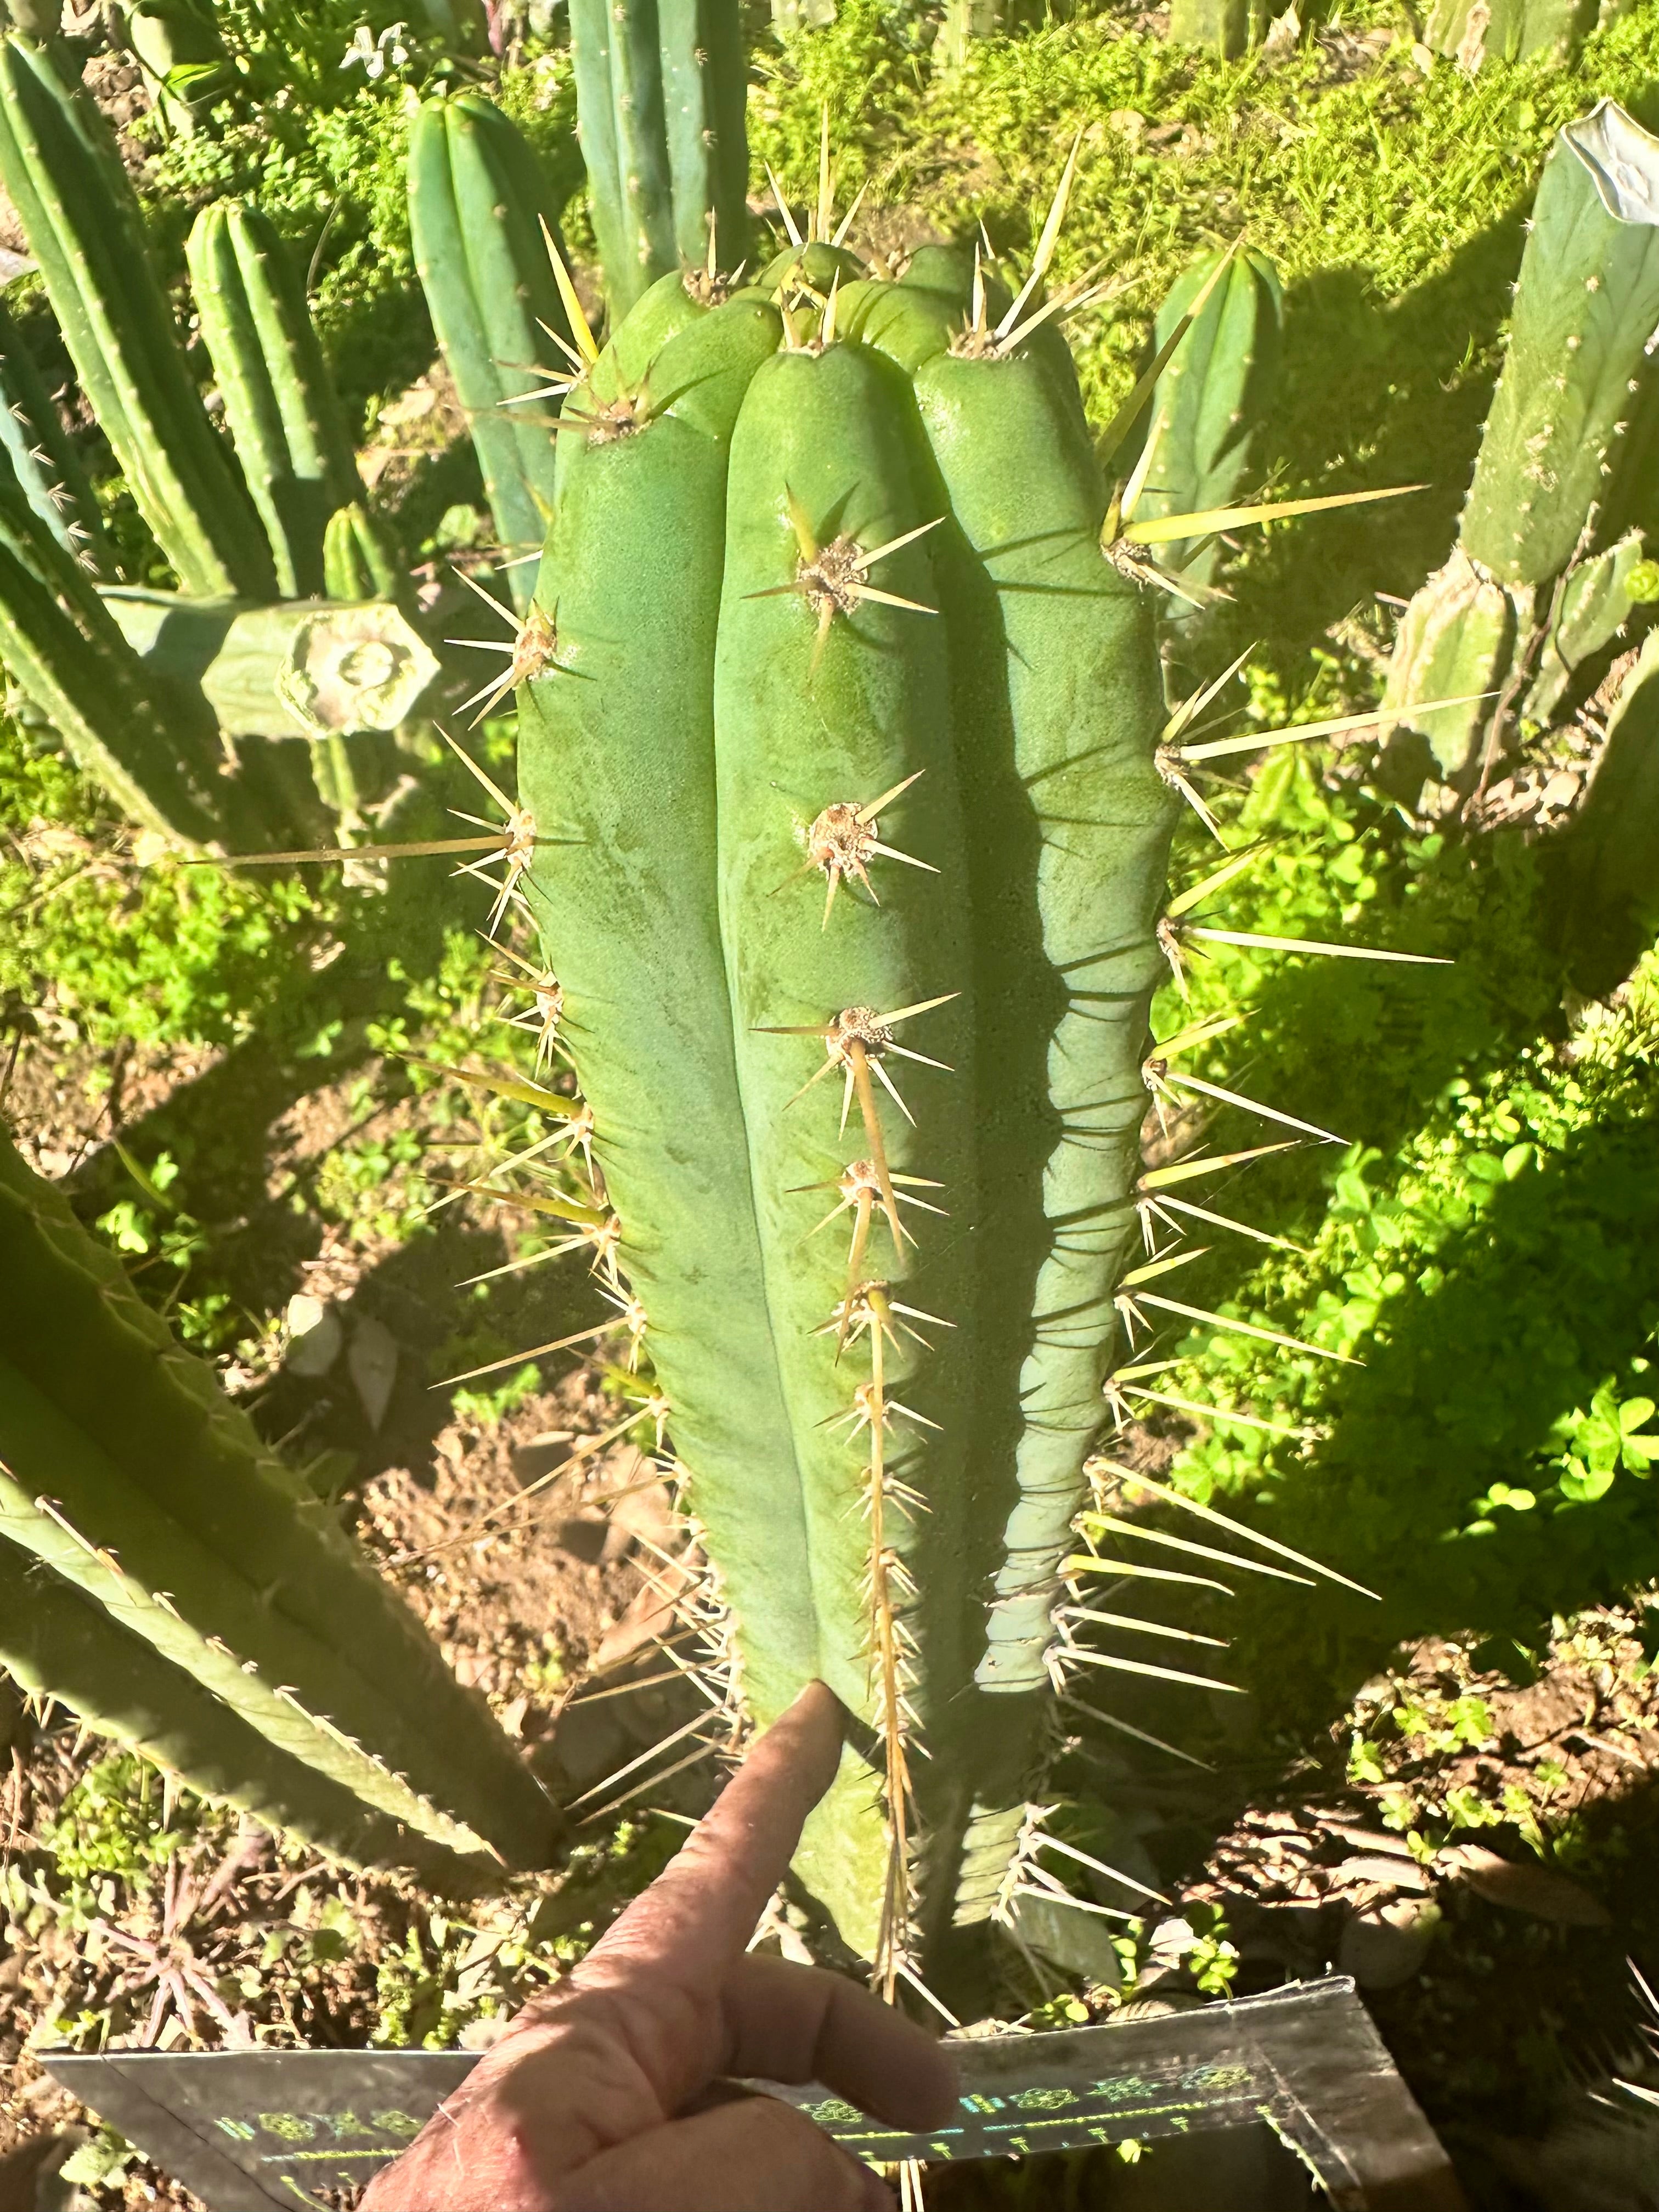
851,844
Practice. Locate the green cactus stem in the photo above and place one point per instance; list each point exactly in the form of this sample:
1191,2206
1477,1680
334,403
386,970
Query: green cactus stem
292,670
61,168
285,417
42,454
660,88
154,1496
177,47
358,559
302,670
963,22
825,621
1227,27
1211,400
156,755
1593,604
1456,640
1557,448
1475,31
482,214
1601,871
56,1641
1585,307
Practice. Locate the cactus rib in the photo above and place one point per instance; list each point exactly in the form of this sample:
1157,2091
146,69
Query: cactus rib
1559,473
659,95
56,1641
156,755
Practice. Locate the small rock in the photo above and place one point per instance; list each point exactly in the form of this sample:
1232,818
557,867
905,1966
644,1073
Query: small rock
1385,1946
314,1336
373,1362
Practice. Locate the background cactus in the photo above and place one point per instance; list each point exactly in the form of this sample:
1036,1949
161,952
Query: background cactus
284,414
43,460
482,212
660,94
1556,449
300,669
154,1497
1227,27
784,686
57,1642
61,168
1476,31
161,760
357,558
1207,407
183,57
1606,867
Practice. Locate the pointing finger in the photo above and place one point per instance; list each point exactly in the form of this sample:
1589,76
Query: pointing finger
698,1915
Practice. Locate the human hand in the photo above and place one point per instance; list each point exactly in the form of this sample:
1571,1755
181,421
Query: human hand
574,2110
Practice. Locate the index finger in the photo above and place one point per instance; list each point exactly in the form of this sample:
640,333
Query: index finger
699,1914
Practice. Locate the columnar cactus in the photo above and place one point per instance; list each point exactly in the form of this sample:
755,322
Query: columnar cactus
42,455
1554,449
357,558
285,416
153,1497
177,47
1227,27
304,669
1476,31
841,752
161,760
299,669
1207,407
485,224
57,1642
660,102
61,168
1605,868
